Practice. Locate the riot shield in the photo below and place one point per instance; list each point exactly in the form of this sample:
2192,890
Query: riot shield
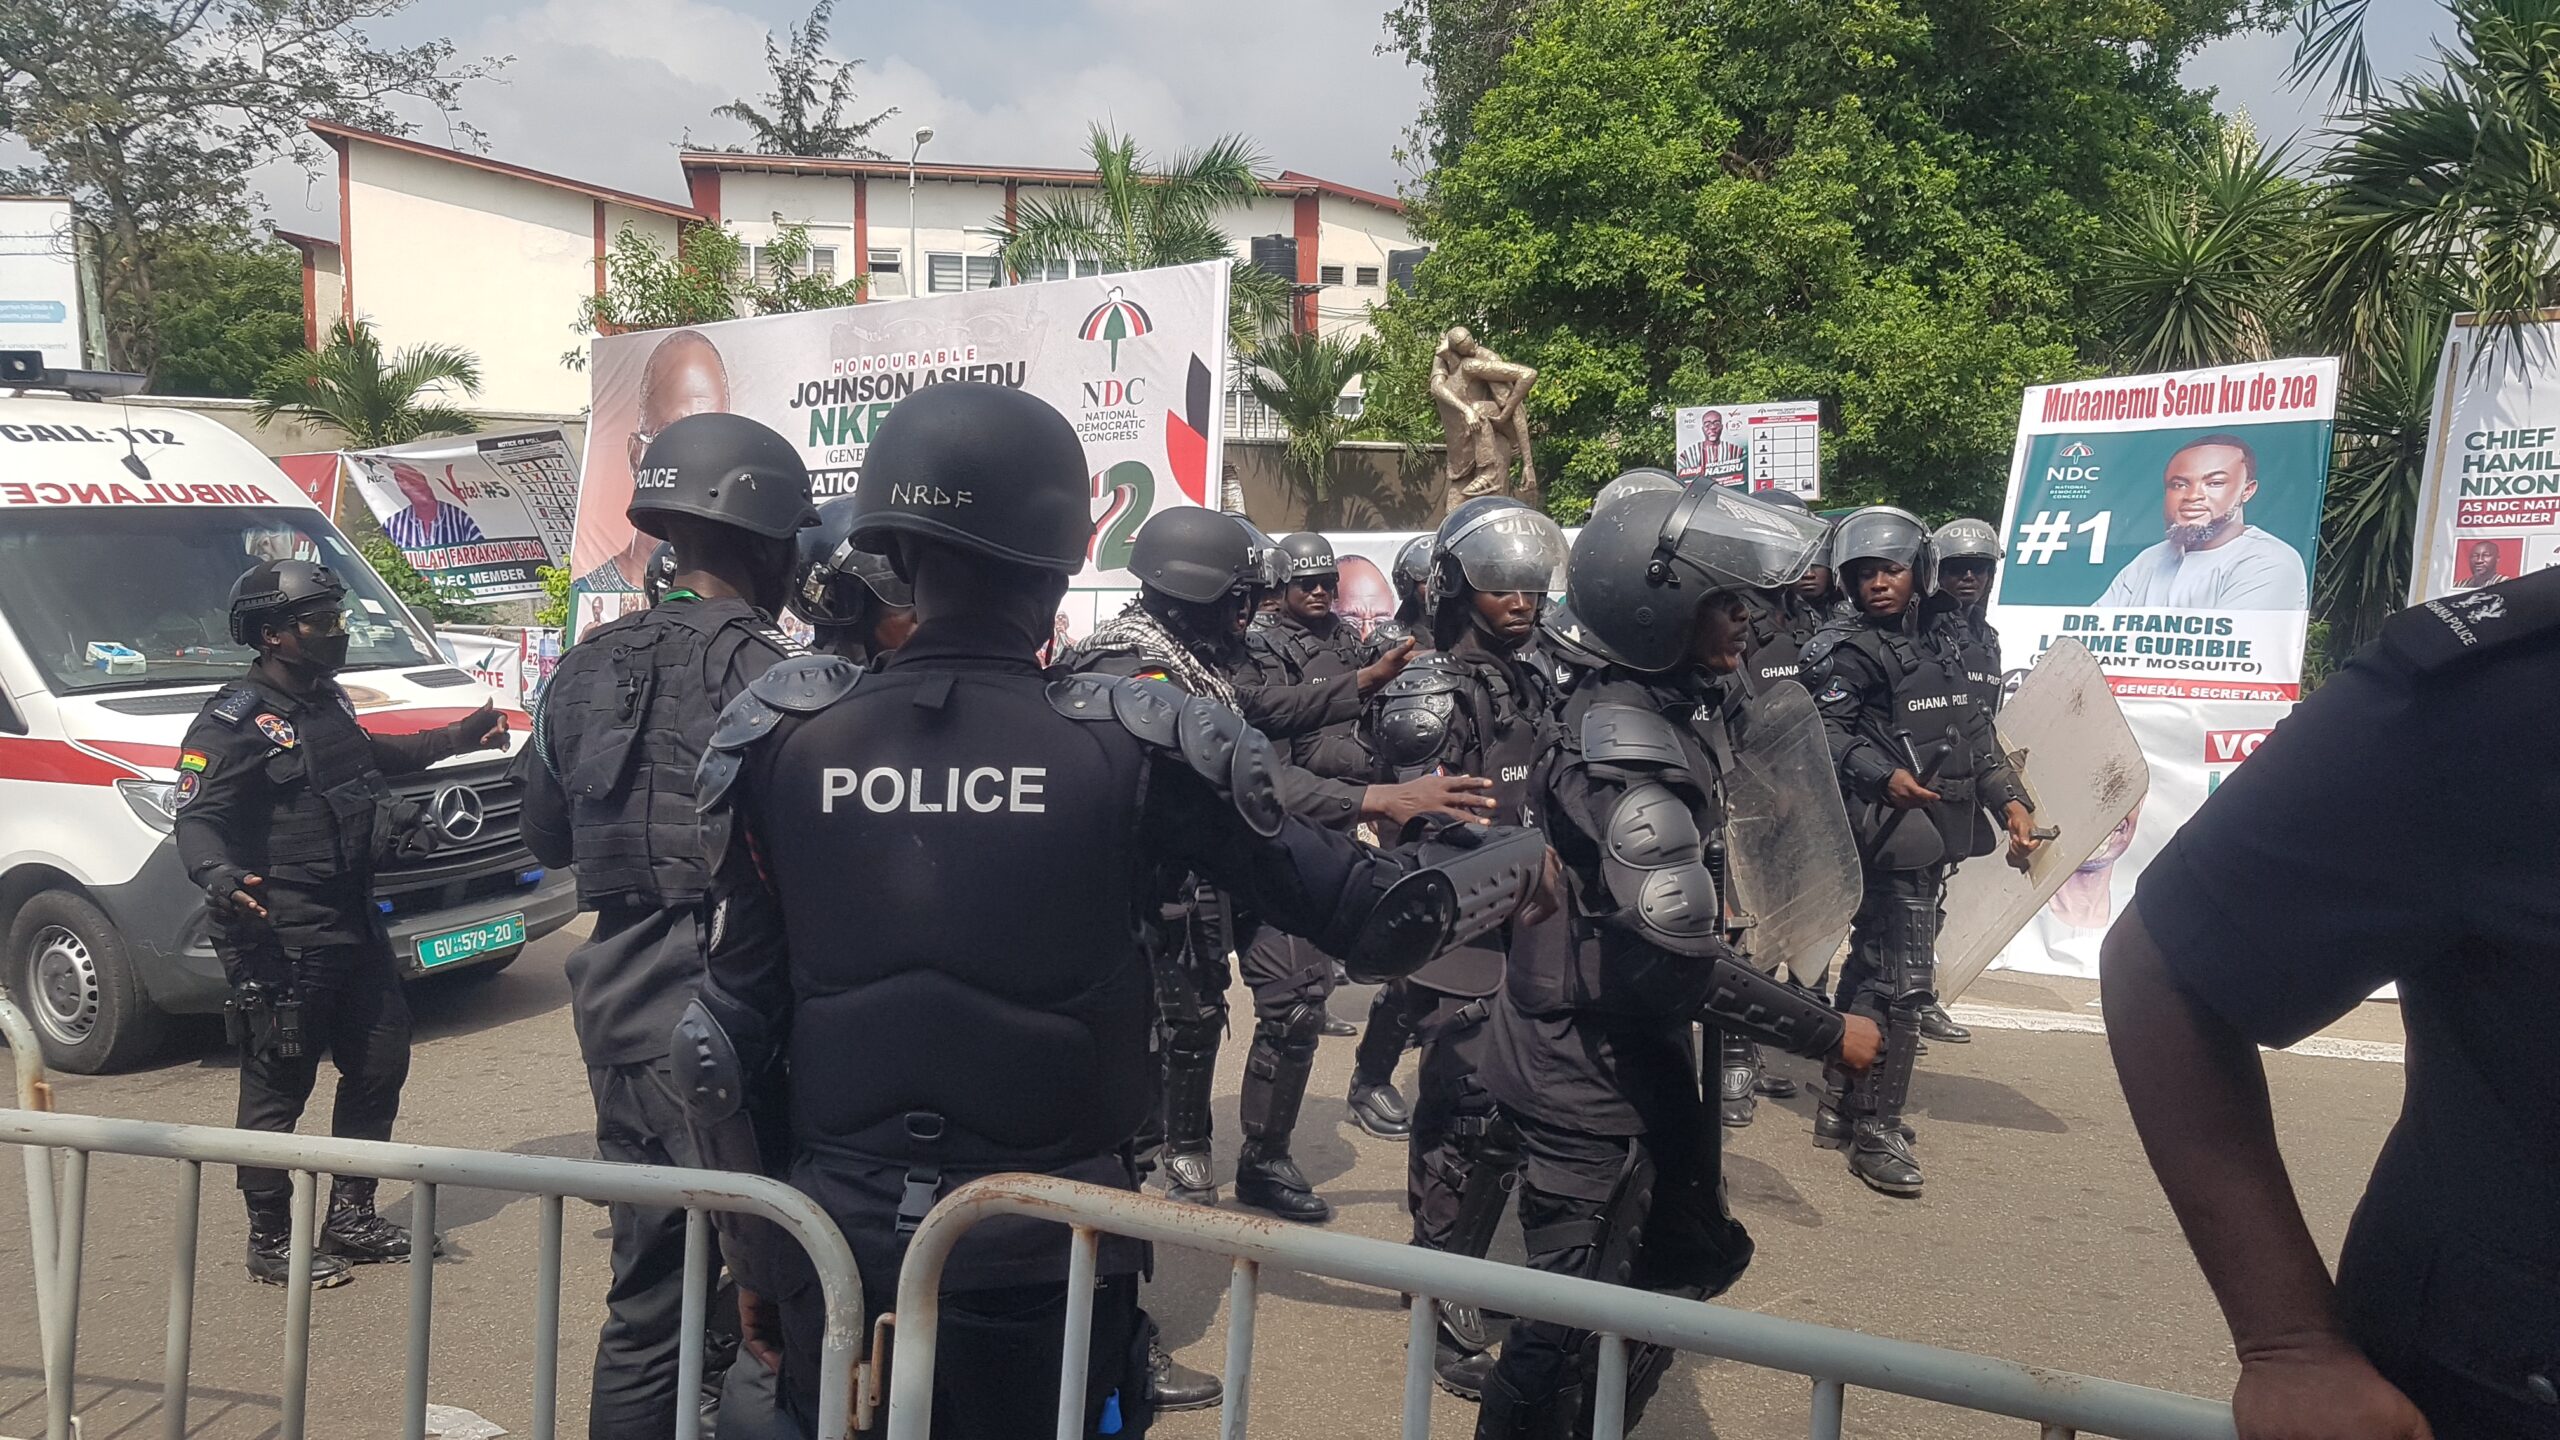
2069,742
1792,864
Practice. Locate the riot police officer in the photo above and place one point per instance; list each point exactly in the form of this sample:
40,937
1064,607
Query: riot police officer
1968,555
1475,706
1410,574
1590,1056
938,1027
282,813
609,790
855,604
1923,775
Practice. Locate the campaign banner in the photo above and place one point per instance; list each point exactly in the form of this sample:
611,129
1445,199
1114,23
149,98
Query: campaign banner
40,281
1132,359
479,515
316,475
2169,523
513,660
1772,446
2489,502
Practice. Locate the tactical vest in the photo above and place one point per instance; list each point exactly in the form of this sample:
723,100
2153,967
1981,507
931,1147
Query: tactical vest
1934,706
324,789
1777,657
1492,730
1286,653
624,721
963,884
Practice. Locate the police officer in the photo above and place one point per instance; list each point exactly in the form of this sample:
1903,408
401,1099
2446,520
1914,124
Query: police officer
282,813
1968,556
1411,577
1473,707
1590,1058
609,790
1923,775
2268,917
938,1025
855,604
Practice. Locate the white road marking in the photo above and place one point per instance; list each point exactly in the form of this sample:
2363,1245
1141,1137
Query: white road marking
2065,1022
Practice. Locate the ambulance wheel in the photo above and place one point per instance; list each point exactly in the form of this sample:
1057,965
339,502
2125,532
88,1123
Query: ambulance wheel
69,972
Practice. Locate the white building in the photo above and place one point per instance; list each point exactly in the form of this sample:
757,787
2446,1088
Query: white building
439,245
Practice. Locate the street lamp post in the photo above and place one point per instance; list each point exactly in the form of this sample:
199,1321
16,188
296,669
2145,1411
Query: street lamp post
915,255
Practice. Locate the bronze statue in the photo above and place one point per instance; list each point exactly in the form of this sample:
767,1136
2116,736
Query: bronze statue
1481,398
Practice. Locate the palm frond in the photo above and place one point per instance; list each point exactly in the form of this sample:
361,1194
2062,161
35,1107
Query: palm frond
2329,45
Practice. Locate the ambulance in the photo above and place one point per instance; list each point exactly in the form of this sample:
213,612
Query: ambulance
122,529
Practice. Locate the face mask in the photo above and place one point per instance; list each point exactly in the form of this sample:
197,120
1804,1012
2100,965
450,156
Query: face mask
325,653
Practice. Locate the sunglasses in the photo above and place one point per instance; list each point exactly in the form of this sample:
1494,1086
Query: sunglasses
323,625
1313,583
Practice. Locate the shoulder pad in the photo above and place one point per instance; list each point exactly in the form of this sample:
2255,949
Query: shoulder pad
806,684
1625,735
234,704
1215,741
2443,633
1432,674
1654,859
1818,650
1410,726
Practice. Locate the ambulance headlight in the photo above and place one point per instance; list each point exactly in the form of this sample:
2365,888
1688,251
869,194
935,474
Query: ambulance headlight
156,801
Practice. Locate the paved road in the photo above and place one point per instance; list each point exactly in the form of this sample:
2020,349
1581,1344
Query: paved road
2041,1238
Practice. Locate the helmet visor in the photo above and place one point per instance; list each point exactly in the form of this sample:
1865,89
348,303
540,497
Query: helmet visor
1511,550
1735,543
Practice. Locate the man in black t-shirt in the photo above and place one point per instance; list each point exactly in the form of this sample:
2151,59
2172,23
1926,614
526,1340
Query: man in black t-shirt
2393,830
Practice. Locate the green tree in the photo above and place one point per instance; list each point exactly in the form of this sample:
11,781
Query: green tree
373,399
705,277
2202,270
1143,213
152,113
1301,378
229,308
804,113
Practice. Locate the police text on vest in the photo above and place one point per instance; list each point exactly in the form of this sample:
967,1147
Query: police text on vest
983,790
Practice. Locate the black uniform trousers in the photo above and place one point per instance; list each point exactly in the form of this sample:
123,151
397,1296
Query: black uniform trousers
1452,1110
1580,1190
353,1012
1284,972
640,1121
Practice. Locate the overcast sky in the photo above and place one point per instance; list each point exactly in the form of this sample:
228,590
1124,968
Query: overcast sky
605,90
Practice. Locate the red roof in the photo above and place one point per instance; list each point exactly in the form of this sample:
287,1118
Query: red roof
305,243
337,134
1287,182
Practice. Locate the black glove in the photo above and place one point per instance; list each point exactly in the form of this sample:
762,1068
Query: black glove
231,893
482,729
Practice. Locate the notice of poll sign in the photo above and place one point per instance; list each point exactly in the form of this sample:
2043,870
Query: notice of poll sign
2169,524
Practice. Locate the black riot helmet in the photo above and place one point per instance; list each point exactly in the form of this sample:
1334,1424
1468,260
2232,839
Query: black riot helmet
1883,532
1635,482
1496,545
987,468
1563,632
275,591
659,575
1270,563
726,469
1783,499
1411,576
833,583
1195,554
1966,539
1309,554
1640,571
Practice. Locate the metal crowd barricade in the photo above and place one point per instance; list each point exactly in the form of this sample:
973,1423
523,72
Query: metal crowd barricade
2062,1403
57,1222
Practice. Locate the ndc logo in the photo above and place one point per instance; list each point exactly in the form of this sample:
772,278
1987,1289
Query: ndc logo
2077,450
1113,394
2230,747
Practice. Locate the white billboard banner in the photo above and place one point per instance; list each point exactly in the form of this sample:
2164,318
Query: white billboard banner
2489,505
480,515
1772,446
40,281
1132,359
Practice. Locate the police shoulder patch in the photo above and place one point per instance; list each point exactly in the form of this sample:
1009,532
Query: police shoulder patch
2446,632
190,784
235,704
192,760
279,731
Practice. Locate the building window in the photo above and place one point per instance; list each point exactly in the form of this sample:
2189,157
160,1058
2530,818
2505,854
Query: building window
1328,274
1064,270
1350,406
888,274
1368,275
949,274
761,260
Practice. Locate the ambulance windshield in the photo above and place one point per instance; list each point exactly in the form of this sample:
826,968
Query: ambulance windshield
110,599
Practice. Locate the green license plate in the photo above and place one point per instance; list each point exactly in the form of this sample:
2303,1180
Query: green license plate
503,933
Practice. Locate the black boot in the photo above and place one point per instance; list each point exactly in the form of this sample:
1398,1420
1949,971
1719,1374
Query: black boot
1937,1024
1831,1129
1737,1101
1506,1416
1190,1061
358,1234
1880,1156
1380,1110
1189,1178
1461,1372
1172,1387
1270,1180
1337,1028
271,1250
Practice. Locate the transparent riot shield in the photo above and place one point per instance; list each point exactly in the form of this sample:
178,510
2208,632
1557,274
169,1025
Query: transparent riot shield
2069,742
1791,861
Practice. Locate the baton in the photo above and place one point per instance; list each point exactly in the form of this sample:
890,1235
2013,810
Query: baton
1946,752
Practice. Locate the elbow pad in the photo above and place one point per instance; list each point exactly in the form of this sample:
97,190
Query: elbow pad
1459,890
1742,999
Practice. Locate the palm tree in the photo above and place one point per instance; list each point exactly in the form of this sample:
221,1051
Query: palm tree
2379,456
1142,214
1301,378
805,113
2199,273
349,384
